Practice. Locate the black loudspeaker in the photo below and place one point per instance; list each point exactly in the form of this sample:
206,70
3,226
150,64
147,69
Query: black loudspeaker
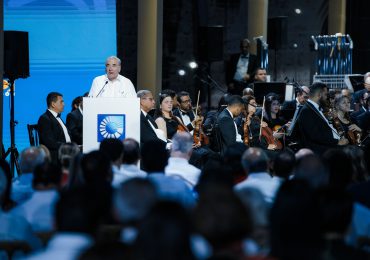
277,33
210,43
16,55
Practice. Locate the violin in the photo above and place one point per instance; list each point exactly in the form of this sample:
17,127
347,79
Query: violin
267,133
199,137
354,137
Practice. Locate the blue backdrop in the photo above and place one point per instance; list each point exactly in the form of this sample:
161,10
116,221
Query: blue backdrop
68,43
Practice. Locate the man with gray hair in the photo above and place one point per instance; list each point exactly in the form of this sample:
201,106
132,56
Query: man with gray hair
255,163
178,163
22,186
112,84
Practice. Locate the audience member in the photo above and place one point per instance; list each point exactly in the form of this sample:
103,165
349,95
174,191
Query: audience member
66,153
283,164
255,163
28,160
129,167
232,158
113,149
311,169
7,203
178,163
38,210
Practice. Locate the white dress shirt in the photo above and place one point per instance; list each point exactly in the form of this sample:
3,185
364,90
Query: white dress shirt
125,172
64,246
334,132
65,131
119,87
238,136
180,167
39,210
241,68
263,182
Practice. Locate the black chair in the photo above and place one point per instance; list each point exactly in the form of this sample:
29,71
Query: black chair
33,134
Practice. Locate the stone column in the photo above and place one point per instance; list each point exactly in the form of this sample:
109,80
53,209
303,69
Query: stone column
150,30
337,17
257,21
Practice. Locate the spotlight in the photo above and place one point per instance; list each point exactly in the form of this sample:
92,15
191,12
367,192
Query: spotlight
193,65
298,11
181,72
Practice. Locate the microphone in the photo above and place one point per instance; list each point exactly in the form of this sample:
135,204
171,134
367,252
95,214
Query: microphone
106,82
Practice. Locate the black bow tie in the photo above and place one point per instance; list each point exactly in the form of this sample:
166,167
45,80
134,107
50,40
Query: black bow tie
244,56
59,114
184,113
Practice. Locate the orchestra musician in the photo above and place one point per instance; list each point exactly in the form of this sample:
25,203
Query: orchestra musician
314,129
343,123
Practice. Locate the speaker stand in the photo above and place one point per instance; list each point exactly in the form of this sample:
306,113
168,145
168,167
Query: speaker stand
12,150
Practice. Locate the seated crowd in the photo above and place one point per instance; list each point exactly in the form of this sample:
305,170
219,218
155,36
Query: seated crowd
243,182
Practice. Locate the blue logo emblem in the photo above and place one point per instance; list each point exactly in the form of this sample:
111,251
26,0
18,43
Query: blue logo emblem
111,126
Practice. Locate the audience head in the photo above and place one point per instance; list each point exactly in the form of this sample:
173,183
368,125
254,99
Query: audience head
302,153
113,149
66,153
154,156
147,102
311,169
294,218
235,104
6,202
47,176
46,151
232,158
55,102
164,234
131,151
112,67
358,161
284,163
30,158
255,160
182,145
221,218
340,169
76,178
96,168
367,81
76,211
133,200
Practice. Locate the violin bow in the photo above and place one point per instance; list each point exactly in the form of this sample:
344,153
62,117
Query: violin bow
263,109
196,109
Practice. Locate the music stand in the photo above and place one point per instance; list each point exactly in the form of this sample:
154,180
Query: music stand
261,89
356,82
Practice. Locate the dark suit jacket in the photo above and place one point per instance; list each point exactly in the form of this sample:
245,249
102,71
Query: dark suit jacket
74,125
288,109
146,131
232,64
177,113
355,115
51,134
314,131
364,122
226,128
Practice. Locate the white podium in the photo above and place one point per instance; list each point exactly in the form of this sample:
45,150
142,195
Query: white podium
109,118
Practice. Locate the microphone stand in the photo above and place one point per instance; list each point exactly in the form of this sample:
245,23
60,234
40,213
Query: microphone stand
106,82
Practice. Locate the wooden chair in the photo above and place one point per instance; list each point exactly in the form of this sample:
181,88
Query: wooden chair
33,134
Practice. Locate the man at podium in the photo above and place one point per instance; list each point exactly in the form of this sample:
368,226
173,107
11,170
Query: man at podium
112,84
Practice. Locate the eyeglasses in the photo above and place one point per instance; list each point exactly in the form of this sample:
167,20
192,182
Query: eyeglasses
150,99
185,101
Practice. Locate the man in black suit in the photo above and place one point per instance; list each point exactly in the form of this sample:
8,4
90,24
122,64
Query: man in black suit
227,129
362,107
314,129
148,127
52,130
74,124
289,107
239,69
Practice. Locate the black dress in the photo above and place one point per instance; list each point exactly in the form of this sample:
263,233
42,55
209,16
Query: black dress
171,125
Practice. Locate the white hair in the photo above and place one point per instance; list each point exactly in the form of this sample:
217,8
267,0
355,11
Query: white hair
113,58
182,142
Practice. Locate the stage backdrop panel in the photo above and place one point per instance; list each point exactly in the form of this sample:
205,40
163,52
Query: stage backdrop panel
110,118
68,44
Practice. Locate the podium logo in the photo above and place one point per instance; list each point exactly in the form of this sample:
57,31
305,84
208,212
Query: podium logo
111,126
